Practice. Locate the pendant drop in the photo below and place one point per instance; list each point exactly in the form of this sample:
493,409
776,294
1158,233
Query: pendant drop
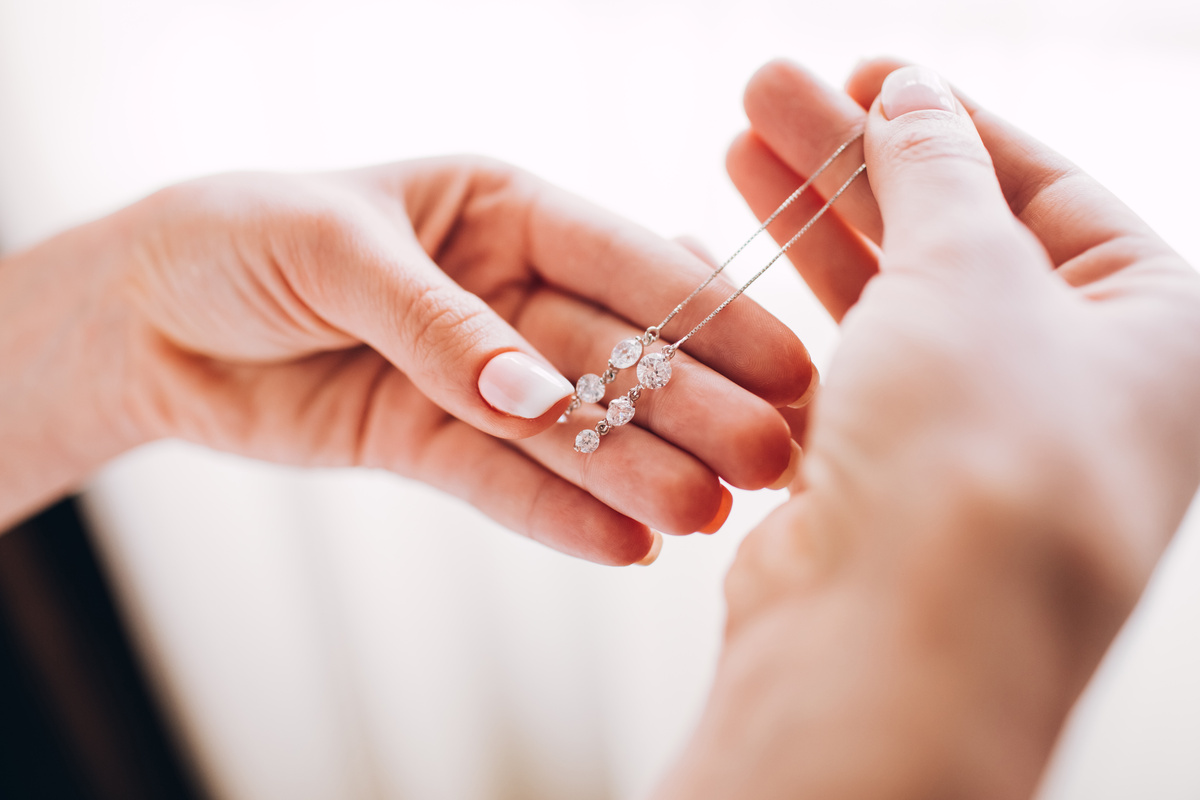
590,388
587,441
620,411
654,371
626,353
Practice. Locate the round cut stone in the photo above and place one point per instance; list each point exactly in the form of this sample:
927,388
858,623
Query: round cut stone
620,411
626,353
587,441
654,371
589,388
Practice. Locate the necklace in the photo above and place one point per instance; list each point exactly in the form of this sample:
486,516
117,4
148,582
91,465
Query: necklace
654,369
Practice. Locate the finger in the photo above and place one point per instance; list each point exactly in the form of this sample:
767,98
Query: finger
641,278
354,408
528,498
832,258
634,472
737,434
944,214
375,282
698,249
866,80
803,120
1070,213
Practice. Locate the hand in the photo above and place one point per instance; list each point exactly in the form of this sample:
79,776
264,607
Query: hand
1005,443
414,317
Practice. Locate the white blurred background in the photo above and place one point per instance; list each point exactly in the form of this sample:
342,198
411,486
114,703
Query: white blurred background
352,635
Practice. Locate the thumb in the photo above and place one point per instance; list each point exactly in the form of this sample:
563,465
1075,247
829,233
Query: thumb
451,344
941,202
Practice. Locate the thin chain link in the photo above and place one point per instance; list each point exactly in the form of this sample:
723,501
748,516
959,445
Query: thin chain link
861,169
782,206
652,333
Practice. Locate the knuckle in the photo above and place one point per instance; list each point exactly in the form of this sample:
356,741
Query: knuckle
444,322
920,144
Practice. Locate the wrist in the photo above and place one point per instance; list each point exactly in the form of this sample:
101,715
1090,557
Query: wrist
65,350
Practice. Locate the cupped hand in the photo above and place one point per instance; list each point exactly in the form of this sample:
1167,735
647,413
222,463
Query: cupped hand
1005,442
420,317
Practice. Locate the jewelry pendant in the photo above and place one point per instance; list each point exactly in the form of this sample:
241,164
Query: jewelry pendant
620,411
626,353
590,388
654,369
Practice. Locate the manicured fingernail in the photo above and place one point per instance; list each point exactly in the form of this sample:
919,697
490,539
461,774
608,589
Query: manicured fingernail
789,472
521,386
814,383
915,88
655,549
722,513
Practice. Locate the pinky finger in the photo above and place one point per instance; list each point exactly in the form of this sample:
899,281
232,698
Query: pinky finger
529,499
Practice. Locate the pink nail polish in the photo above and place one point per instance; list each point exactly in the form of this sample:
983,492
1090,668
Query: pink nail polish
915,88
521,386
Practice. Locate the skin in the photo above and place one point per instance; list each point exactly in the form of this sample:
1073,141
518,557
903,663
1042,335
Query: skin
1005,444
343,319
1003,447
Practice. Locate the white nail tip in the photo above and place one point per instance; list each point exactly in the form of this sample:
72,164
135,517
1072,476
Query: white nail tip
521,386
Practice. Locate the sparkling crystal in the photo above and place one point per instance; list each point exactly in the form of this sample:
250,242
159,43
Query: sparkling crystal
654,371
626,353
589,388
620,411
587,441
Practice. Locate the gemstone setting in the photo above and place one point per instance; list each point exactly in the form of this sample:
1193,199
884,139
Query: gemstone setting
586,441
620,411
626,353
654,371
590,388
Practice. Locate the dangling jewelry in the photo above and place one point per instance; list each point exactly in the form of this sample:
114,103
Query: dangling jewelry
654,369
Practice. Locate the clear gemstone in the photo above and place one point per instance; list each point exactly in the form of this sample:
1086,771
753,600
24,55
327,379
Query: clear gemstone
654,371
626,353
590,389
587,441
620,411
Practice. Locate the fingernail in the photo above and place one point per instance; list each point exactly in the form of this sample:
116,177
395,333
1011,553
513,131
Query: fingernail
915,88
814,383
722,513
522,386
655,549
789,472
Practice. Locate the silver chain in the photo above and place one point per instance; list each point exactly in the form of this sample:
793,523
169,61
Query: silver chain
782,207
861,169
654,370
